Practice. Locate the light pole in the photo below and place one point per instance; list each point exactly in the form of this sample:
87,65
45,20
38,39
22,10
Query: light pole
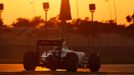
32,3
77,7
115,11
133,6
110,11
92,9
133,12
1,9
45,7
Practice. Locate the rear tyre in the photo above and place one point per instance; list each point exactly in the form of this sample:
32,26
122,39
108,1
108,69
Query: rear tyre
94,62
71,61
51,63
30,61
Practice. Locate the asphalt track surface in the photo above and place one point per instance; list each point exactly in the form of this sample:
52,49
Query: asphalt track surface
17,69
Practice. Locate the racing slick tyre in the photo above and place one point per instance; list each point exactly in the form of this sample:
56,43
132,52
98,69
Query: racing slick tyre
30,61
71,61
94,62
51,63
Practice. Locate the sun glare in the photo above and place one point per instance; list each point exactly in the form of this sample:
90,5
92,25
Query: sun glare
79,9
41,69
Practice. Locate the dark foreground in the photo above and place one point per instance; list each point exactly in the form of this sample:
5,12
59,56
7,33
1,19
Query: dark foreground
107,69
64,73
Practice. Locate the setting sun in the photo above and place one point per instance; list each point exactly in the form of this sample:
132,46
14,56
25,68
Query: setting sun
105,9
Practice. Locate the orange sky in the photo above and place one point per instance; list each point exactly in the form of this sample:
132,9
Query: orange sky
23,8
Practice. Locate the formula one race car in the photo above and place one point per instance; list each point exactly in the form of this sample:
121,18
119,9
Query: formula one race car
54,54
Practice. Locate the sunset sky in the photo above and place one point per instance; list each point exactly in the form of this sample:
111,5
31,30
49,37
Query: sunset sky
29,8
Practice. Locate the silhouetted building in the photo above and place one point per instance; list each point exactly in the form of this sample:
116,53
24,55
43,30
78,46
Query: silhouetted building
65,13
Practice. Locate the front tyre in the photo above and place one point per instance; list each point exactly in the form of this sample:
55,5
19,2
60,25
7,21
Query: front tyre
30,61
94,62
71,61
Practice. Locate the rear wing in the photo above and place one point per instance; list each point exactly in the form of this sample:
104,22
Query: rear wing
39,43
49,43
